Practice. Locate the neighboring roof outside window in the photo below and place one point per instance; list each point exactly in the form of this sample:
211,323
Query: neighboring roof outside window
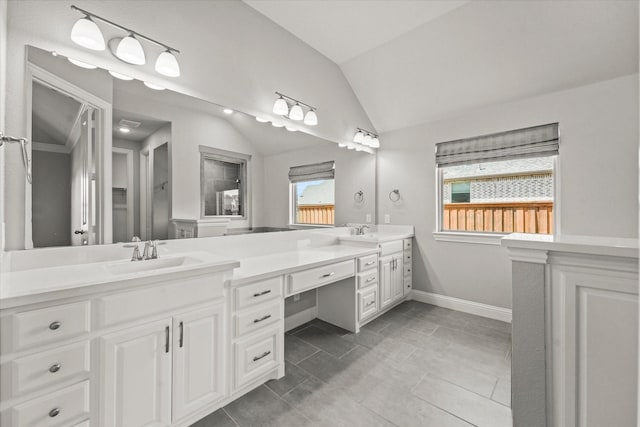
322,193
527,166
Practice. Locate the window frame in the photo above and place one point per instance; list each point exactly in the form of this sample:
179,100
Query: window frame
487,238
293,206
210,153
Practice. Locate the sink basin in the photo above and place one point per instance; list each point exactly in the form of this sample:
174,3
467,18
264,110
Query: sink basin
130,267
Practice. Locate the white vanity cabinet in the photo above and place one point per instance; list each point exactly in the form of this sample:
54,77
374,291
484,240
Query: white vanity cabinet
391,272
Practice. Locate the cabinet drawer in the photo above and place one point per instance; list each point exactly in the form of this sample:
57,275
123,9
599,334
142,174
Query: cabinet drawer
258,292
55,409
85,423
407,258
47,368
407,244
407,270
388,248
51,324
257,318
408,282
367,262
367,303
257,356
319,276
367,279
128,306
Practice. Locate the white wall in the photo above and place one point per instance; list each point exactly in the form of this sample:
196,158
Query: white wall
354,172
598,163
3,89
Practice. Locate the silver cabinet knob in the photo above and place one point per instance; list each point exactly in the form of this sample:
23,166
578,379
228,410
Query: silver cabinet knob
54,325
54,412
54,368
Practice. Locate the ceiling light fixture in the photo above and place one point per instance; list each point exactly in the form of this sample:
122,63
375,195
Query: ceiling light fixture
364,138
86,33
120,76
154,86
227,111
124,130
292,108
358,137
82,64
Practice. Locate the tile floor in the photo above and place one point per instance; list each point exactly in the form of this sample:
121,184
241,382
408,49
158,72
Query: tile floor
417,365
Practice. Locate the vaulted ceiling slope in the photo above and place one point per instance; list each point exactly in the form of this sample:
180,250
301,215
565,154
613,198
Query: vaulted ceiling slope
419,62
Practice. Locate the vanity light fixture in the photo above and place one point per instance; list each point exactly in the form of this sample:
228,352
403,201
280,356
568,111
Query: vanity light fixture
82,64
292,108
342,145
290,129
365,138
86,33
277,125
358,137
227,111
261,120
153,86
120,75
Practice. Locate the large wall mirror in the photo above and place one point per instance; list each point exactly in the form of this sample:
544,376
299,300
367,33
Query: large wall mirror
114,159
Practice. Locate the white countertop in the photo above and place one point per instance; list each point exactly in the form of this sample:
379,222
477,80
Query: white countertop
45,284
376,237
264,266
612,246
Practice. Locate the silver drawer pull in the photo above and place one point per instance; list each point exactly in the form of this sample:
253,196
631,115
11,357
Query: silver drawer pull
259,294
54,325
54,368
261,319
408,269
54,412
370,263
371,303
328,274
262,356
370,279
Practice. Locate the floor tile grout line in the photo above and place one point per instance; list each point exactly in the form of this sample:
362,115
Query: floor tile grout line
230,417
459,386
318,350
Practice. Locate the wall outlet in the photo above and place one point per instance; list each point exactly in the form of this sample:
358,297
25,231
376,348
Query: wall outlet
296,298
368,218
387,218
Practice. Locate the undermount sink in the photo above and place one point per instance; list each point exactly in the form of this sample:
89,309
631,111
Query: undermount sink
129,267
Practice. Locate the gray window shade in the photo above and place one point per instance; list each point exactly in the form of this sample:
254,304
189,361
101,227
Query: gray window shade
312,172
535,141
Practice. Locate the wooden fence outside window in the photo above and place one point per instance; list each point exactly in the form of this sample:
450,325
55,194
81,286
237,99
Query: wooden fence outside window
509,217
316,214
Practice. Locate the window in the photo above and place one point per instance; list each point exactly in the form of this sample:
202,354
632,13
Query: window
500,183
223,177
313,194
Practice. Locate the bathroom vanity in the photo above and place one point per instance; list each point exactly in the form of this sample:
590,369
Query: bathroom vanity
167,341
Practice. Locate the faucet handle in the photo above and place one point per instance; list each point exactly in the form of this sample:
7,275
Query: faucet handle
136,254
136,239
154,251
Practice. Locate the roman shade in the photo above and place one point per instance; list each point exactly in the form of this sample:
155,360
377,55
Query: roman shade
535,141
325,170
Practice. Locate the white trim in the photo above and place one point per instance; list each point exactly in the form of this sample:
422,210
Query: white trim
51,148
300,318
468,237
472,307
130,187
534,256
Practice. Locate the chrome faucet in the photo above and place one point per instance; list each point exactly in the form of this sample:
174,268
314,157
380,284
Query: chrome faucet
151,250
360,230
136,249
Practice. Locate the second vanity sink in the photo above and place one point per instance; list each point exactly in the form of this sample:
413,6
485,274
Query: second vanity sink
130,267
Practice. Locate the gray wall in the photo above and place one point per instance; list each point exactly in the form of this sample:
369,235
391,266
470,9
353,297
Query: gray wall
307,300
51,199
135,147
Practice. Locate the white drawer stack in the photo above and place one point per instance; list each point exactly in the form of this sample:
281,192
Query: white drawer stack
407,263
257,330
45,374
367,282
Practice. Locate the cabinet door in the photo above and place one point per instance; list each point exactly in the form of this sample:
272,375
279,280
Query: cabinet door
135,374
386,280
198,359
397,286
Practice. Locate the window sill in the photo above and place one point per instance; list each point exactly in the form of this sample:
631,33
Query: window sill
302,226
475,238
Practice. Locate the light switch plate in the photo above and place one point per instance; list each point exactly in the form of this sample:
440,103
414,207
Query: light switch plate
387,218
368,218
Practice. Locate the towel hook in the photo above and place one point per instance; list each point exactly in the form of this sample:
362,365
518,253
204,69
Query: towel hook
394,195
359,196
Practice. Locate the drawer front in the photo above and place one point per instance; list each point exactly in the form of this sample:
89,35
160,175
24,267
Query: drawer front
407,270
407,258
388,248
367,262
258,292
257,318
257,356
319,276
128,306
407,244
367,279
408,283
55,409
48,368
85,423
367,303
51,324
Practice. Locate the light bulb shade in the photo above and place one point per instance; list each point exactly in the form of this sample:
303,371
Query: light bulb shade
130,50
280,107
375,143
167,64
86,33
296,112
358,137
277,125
367,140
311,118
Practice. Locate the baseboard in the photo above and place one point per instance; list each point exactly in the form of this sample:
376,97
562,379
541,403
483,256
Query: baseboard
471,307
300,318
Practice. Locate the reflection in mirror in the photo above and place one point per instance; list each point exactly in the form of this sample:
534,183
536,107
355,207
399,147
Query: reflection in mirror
161,165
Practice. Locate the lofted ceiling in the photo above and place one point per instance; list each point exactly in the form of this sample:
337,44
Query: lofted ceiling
147,126
412,68
54,115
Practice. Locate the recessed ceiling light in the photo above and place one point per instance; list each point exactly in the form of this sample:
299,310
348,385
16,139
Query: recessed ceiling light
120,75
261,120
153,86
227,111
277,125
124,130
82,64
